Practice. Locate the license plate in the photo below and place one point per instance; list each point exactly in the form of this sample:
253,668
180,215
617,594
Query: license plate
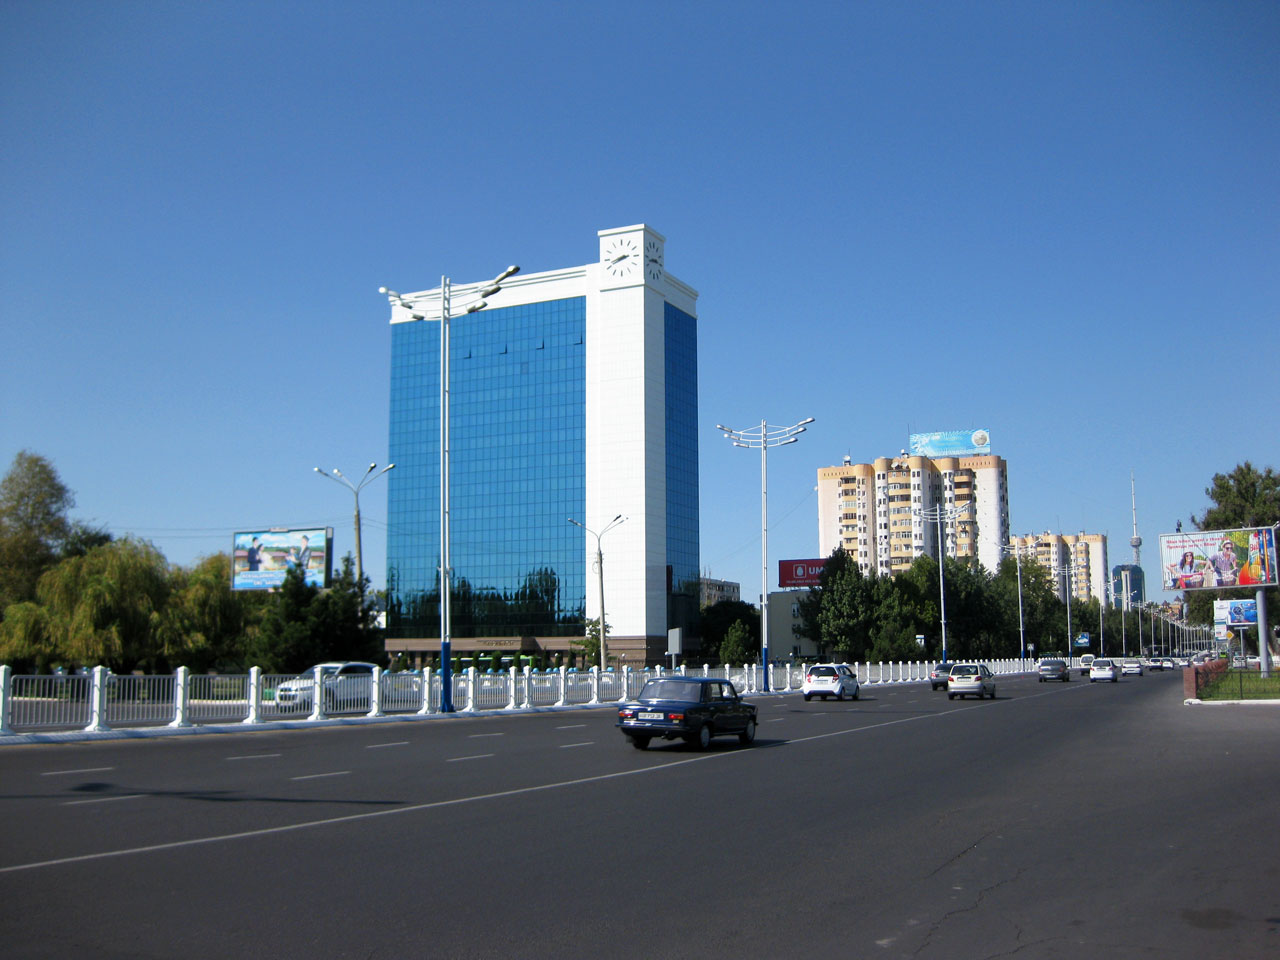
651,716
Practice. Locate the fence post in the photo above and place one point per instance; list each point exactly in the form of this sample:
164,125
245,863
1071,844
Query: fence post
181,699
98,702
6,699
254,695
595,685
471,690
511,700
563,673
375,693
528,688
317,694
428,678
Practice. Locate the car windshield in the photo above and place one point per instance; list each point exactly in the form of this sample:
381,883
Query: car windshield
671,690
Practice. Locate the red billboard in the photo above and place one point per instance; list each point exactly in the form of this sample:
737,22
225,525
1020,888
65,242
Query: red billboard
799,573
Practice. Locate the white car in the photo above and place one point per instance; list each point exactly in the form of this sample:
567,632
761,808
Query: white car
346,685
1103,668
1085,663
1131,666
830,680
971,679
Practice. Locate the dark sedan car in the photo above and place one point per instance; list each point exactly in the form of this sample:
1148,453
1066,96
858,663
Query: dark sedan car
938,675
1054,670
693,709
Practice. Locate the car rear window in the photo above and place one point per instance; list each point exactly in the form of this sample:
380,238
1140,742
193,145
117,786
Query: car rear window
822,672
964,671
671,690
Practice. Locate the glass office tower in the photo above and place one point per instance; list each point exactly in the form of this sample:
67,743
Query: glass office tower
572,395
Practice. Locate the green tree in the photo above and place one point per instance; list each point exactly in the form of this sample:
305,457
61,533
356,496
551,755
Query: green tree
736,648
33,525
589,646
107,607
716,619
208,619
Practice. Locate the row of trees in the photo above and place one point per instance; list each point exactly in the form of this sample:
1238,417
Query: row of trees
72,595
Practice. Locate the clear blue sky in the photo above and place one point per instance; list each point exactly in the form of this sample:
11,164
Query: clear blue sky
1058,221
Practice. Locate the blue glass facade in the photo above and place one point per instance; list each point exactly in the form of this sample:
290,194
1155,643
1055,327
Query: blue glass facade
518,471
681,356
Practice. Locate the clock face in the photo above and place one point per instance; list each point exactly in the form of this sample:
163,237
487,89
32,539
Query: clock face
621,257
653,260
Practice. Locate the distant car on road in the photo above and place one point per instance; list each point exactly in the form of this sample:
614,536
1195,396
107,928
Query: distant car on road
1131,667
971,679
829,680
1103,668
1085,661
938,675
345,685
693,709
1054,670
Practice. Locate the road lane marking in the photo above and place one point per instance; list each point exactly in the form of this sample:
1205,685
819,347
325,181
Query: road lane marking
497,795
77,803
572,726
68,773
775,719
473,736
566,746
478,756
379,746
317,776
255,756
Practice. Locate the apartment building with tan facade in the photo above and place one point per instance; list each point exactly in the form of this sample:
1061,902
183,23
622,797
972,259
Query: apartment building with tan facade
1076,563
880,512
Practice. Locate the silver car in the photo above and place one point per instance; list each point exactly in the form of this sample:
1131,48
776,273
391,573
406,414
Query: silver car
830,680
1103,668
971,679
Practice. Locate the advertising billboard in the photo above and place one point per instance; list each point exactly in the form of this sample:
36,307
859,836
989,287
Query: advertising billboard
949,443
800,573
261,558
1213,559
1235,613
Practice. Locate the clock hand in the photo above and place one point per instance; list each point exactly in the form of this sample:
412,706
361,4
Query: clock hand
619,259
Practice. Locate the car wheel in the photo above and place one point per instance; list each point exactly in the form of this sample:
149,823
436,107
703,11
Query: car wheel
704,736
856,691
640,743
808,697
951,696
748,735
840,695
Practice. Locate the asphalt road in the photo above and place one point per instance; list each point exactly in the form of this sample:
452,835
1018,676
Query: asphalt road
1070,820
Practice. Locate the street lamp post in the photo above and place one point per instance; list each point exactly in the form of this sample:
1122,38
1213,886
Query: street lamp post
604,649
764,437
446,570
1022,632
337,477
937,515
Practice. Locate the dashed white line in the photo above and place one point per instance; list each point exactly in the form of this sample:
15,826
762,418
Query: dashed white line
566,746
478,756
255,756
572,726
77,803
317,776
68,773
474,736
395,743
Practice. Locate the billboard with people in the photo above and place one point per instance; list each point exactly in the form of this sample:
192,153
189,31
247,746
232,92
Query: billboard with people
1215,559
261,558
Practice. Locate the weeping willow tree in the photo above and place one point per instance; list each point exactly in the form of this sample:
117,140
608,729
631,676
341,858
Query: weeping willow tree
108,607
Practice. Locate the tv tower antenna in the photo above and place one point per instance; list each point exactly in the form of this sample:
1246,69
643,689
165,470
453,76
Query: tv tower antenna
1135,541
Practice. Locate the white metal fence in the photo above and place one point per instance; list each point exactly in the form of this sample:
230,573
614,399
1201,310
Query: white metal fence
103,700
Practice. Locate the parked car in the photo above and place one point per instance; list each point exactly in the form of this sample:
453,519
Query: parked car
829,680
1103,668
1085,662
693,709
1131,667
346,685
968,679
1054,670
938,675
